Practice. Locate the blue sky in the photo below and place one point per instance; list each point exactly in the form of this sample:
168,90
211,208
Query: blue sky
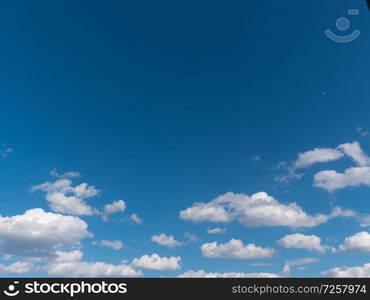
163,105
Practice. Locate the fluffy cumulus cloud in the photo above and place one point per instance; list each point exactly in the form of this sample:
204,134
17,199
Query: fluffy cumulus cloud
235,249
204,274
155,262
332,180
360,242
38,233
114,207
165,240
301,241
259,209
317,155
65,198
348,272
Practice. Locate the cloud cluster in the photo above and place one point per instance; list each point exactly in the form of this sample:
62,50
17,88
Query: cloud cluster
235,249
65,198
331,180
259,209
37,233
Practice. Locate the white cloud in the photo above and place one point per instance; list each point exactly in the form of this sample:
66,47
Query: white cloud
38,233
260,264
18,267
364,220
317,155
201,212
5,151
301,241
67,199
136,219
331,180
90,269
356,153
302,261
116,244
192,238
69,264
216,230
235,249
256,157
204,274
155,262
360,242
67,256
297,262
114,207
348,272
71,174
259,209
362,131
165,240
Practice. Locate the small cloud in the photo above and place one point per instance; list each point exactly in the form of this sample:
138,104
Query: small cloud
261,265
216,230
155,262
362,131
5,151
72,174
256,157
115,245
192,238
136,219
112,208
299,263
166,240
364,220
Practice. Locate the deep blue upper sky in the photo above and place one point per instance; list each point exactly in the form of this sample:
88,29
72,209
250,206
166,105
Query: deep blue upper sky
164,103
